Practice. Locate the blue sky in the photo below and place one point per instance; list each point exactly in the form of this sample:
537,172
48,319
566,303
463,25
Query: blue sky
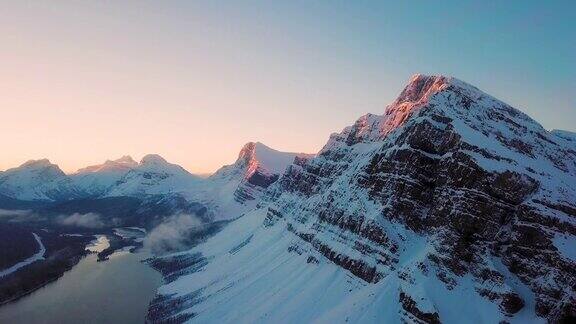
85,81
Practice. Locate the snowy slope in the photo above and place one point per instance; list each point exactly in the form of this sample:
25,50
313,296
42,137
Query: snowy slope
259,274
569,138
451,207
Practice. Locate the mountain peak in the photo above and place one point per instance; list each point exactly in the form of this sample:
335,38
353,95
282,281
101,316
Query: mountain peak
35,180
126,159
247,150
37,163
420,87
436,94
251,149
123,163
153,159
156,163
258,155
419,91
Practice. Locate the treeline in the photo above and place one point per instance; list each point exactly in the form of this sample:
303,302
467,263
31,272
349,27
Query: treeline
16,244
62,253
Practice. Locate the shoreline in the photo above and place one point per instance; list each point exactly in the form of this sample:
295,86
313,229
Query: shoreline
38,256
55,262
114,244
125,284
41,285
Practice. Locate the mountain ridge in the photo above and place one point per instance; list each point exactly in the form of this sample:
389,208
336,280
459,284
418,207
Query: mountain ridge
256,167
448,209
125,161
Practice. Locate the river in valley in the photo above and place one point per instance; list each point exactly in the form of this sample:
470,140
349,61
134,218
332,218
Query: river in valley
114,291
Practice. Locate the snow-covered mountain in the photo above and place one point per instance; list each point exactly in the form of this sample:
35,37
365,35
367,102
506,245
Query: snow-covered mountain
42,180
238,187
227,194
154,176
97,180
451,207
37,180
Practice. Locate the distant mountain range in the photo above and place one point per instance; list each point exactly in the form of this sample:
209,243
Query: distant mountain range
451,207
232,187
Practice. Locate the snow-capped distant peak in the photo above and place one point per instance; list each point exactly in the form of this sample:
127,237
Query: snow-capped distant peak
153,159
35,180
237,187
41,163
154,175
43,166
122,164
126,159
156,163
255,155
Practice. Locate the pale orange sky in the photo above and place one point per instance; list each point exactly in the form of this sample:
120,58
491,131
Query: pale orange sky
86,81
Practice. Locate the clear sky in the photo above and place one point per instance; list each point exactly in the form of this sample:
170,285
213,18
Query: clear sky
86,81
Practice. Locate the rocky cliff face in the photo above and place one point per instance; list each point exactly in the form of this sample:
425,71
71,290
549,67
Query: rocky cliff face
450,207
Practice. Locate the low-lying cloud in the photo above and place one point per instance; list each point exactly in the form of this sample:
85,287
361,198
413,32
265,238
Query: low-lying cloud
19,215
88,220
174,234
14,213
